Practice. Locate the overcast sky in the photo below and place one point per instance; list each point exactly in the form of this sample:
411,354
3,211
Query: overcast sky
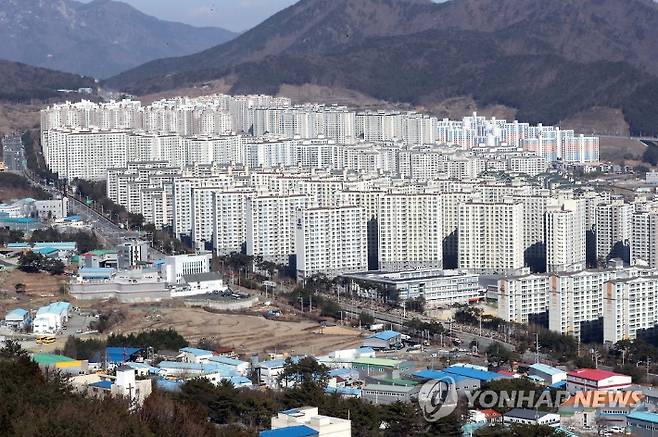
235,15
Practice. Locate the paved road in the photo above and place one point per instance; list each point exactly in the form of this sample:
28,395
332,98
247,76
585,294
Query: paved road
397,320
108,230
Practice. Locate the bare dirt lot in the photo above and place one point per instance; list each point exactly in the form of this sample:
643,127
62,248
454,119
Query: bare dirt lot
247,334
40,289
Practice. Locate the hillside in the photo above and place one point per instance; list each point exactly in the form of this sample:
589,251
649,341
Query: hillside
22,83
549,59
99,39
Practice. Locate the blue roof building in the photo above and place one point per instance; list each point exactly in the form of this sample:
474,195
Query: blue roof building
18,318
103,385
97,273
119,355
290,431
70,246
469,372
16,314
546,374
168,385
382,340
428,374
642,423
195,351
385,335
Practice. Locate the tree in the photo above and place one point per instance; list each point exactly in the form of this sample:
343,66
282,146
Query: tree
650,155
305,370
499,355
366,319
417,304
30,262
135,220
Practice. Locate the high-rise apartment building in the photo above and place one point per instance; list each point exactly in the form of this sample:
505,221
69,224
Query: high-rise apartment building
410,233
330,241
491,237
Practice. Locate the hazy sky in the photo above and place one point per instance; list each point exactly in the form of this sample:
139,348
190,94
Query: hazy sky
235,15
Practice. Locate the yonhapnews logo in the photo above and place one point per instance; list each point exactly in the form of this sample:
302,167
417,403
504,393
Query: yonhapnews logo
438,398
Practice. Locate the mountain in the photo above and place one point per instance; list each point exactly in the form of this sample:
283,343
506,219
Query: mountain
549,59
99,39
21,82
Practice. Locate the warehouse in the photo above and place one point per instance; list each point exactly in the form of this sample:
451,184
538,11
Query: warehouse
550,375
18,319
383,340
596,379
51,318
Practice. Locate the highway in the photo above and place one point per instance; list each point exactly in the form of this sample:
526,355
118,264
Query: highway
110,232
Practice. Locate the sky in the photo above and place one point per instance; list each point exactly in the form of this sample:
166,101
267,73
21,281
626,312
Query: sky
235,15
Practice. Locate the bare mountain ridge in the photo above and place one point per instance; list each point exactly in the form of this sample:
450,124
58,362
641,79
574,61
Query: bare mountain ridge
98,39
580,30
548,58
23,83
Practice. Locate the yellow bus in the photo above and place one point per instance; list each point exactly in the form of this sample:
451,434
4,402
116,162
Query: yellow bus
45,339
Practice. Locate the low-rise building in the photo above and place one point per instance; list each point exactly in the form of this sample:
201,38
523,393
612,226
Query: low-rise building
18,319
324,426
51,318
123,384
438,287
522,416
177,266
200,283
596,379
383,340
643,423
389,393
550,375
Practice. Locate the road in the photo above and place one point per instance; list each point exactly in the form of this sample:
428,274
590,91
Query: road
464,333
108,230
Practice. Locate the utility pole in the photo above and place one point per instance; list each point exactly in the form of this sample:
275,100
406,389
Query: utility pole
536,347
480,320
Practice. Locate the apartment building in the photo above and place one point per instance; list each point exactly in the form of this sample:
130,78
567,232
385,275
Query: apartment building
644,240
630,307
330,241
565,237
520,298
490,237
229,219
410,234
613,230
270,226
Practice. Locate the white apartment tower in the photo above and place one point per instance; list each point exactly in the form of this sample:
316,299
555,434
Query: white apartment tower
229,225
644,244
522,296
565,237
613,230
491,237
270,226
629,305
410,235
330,241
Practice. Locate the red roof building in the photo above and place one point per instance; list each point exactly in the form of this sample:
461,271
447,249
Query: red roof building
596,379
